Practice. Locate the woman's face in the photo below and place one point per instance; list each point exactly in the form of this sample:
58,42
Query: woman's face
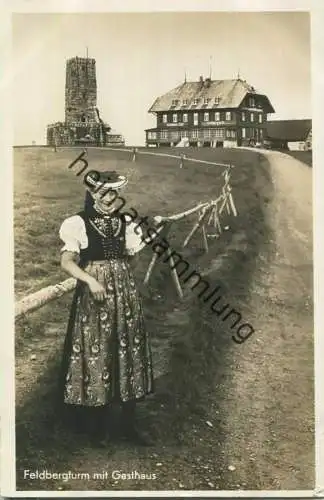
106,197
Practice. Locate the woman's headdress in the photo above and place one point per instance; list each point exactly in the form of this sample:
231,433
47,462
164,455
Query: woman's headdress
109,179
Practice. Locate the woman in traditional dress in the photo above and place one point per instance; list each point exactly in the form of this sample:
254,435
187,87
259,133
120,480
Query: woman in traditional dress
107,353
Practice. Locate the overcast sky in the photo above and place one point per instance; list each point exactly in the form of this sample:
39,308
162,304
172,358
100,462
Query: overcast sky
140,56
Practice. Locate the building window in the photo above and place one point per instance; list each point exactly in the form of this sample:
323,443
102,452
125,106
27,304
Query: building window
164,134
185,102
217,100
217,116
206,117
185,118
228,116
175,118
252,102
152,135
207,133
260,118
183,133
206,100
195,134
196,101
174,102
243,133
252,117
219,132
164,118
261,133
195,118
243,116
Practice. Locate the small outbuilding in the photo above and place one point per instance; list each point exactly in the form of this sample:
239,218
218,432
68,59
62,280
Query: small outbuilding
294,135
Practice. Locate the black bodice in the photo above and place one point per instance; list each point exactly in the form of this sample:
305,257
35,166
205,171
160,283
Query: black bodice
106,236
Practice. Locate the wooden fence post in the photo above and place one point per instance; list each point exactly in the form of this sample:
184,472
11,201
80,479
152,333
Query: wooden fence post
231,200
205,238
205,212
174,274
163,234
214,218
227,193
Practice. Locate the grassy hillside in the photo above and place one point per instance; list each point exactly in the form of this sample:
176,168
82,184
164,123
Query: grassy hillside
185,349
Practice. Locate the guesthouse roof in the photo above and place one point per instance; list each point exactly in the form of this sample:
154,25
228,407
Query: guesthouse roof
211,94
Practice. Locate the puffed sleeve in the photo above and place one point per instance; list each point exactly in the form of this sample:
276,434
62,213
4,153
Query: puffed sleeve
73,234
133,239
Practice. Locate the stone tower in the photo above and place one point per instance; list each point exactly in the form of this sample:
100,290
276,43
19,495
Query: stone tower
80,90
83,124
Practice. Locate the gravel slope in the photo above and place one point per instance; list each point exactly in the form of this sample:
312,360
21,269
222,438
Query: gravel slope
270,415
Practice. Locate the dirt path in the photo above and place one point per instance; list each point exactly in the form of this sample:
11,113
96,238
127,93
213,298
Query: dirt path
270,409
252,423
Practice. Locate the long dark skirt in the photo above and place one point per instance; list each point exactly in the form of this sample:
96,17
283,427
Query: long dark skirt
107,355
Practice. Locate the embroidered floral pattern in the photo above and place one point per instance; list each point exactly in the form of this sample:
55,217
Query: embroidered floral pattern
110,353
105,224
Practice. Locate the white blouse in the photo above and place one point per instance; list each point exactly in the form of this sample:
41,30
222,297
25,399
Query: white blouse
73,234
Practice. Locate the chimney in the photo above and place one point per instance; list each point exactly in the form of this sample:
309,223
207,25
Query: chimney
207,82
201,79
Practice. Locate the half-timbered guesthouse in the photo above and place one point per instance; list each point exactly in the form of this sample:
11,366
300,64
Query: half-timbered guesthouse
214,113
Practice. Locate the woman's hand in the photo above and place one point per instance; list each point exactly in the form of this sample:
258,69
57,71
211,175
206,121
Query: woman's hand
98,291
